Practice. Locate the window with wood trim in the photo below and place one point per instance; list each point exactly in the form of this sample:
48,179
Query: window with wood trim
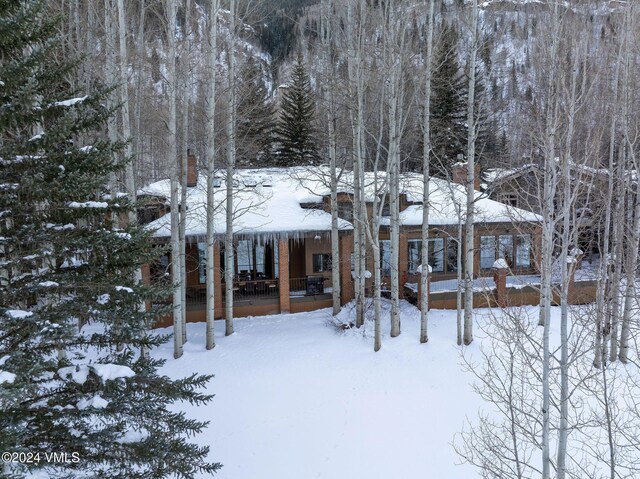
321,262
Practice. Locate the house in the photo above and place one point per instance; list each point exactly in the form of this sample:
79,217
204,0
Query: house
282,257
501,230
523,187
282,236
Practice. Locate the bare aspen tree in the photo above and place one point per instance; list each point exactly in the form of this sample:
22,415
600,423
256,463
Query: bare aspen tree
355,40
129,172
394,43
629,146
110,39
185,74
550,125
229,266
603,276
140,51
380,186
329,70
426,162
372,232
471,145
613,260
567,261
210,103
110,70
172,155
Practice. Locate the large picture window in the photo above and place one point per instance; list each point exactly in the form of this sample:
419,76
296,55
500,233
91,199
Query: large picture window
452,255
260,261
415,255
385,257
487,251
523,251
202,262
505,248
244,252
436,254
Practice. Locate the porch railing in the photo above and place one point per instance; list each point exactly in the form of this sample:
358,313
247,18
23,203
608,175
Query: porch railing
264,288
309,286
261,288
242,290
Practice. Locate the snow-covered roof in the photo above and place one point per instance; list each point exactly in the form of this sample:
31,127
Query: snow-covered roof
496,175
270,201
580,171
266,202
446,199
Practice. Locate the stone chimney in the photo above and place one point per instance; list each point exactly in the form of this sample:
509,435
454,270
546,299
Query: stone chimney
192,169
459,173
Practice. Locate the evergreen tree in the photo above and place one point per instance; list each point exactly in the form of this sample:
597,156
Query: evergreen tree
255,119
448,108
487,144
449,105
295,127
72,376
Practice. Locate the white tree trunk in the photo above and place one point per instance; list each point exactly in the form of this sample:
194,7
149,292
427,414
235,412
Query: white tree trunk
356,81
471,145
172,154
603,277
426,157
210,162
329,91
137,140
566,271
631,264
185,64
394,197
630,147
229,266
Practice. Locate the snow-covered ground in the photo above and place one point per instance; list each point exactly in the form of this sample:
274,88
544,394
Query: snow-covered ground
296,399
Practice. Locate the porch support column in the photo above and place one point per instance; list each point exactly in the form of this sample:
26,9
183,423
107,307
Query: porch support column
283,275
500,279
347,292
403,263
217,282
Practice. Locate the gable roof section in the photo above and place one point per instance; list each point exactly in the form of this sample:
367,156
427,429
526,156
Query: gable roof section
266,202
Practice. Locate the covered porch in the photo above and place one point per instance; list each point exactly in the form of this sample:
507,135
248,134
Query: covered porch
271,275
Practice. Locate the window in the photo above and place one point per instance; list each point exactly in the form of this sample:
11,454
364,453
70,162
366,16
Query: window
345,210
510,199
260,261
523,251
244,253
452,255
436,254
505,248
487,251
202,262
385,257
276,260
415,255
321,262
